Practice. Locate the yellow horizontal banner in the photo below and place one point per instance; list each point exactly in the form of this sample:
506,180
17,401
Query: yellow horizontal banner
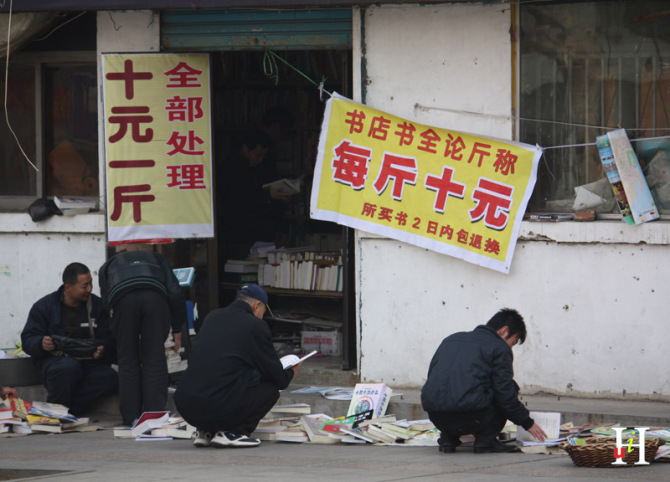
455,193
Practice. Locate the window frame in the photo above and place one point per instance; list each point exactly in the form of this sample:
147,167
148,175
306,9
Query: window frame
39,62
517,100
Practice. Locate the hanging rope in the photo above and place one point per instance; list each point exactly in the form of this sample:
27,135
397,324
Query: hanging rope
271,70
528,119
9,126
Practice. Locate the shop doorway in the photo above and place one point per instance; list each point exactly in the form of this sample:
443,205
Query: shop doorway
274,96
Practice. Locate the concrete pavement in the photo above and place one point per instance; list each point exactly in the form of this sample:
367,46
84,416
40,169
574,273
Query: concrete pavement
98,456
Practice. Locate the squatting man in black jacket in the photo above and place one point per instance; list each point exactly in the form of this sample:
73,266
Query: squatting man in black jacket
470,386
234,374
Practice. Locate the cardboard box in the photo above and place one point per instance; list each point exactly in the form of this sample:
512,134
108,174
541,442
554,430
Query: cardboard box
326,342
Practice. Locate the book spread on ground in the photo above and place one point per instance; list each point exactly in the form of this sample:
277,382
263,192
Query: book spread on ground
149,421
550,422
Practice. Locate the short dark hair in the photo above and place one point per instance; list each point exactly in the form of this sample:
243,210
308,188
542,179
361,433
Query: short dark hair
73,271
512,320
255,138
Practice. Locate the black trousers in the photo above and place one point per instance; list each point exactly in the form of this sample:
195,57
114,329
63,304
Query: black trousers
259,399
486,424
76,384
141,324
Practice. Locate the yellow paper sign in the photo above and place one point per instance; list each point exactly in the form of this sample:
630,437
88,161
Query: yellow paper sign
451,192
158,146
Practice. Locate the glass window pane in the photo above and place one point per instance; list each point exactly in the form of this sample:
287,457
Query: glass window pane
71,130
17,176
586,68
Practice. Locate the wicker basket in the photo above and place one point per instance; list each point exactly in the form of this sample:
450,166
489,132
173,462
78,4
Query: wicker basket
599,452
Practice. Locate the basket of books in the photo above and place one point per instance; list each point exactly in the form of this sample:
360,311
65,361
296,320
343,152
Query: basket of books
600,451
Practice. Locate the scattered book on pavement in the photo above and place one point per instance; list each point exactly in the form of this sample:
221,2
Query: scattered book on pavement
148,421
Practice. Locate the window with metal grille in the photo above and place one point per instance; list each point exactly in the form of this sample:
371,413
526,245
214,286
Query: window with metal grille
586,68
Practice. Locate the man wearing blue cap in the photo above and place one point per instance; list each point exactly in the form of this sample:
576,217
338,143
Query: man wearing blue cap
234,374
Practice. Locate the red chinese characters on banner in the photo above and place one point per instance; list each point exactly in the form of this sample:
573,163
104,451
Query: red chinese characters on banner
137,120
350,164
183,76
133,116
129,76
187,176
493,200
445,186
184,144
402,170
442,231
186,110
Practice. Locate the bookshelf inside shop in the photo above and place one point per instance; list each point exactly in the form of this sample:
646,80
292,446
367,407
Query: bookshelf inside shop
303,267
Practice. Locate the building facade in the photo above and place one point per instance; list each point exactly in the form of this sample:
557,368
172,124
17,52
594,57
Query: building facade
592,293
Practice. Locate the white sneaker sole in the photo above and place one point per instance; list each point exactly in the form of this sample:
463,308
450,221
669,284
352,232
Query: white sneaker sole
235,444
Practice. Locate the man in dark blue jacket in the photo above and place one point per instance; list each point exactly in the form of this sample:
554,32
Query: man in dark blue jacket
234,374
145,300
470,386
74,312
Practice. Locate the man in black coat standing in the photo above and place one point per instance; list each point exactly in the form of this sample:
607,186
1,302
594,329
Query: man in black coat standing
145,300
234,373
471,389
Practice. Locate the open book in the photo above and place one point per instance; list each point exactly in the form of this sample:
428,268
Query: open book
291,360
288,186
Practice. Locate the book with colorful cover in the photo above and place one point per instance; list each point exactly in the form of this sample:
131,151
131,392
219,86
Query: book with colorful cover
370,396
612,173
642,205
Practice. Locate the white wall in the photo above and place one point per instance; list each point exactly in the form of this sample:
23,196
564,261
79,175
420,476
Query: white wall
32,259
593,294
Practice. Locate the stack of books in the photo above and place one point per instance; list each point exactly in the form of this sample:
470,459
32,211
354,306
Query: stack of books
174,361
46,417
152,426
239,271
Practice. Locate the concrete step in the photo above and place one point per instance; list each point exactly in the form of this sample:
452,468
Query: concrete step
406,403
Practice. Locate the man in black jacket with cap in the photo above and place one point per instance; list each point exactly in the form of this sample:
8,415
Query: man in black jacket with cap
144,299
470,386
234,373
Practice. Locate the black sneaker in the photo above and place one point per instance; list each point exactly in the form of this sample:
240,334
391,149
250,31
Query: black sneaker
495,447
448,444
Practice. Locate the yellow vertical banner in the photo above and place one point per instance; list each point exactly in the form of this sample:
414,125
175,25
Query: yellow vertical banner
158,146
455,193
